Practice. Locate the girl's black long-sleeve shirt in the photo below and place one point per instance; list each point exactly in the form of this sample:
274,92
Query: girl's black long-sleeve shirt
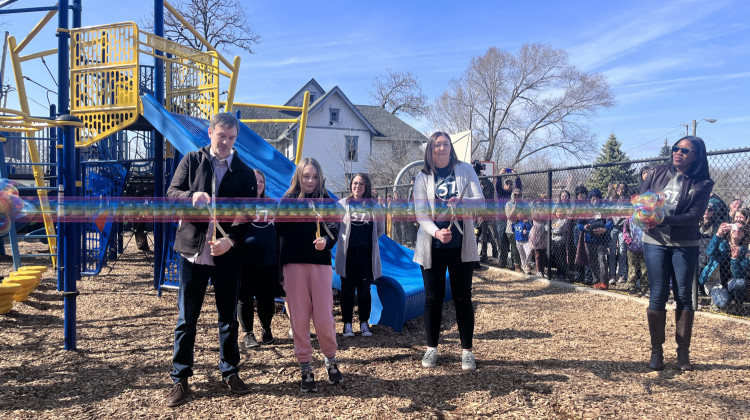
296,238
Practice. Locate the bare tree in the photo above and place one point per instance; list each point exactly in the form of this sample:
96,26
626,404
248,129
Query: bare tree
523,104
385,164
399,92
223,23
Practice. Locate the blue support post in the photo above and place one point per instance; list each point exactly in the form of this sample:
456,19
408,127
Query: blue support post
67,169
158,144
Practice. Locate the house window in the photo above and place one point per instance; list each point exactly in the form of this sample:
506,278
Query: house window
351,148
334,115
312,97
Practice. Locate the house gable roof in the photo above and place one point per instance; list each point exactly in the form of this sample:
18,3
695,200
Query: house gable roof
389,126
315,87
323,99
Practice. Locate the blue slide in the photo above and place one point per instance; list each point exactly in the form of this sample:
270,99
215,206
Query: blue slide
397,297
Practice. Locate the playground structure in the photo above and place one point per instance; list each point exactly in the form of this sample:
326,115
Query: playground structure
110,103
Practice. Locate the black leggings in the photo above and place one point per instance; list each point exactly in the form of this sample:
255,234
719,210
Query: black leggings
261,283
434,289
358,278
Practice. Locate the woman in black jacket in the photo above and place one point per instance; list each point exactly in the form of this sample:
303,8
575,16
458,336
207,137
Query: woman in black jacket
671,248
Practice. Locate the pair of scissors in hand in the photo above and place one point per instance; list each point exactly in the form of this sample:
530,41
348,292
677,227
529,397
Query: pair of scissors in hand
454,218
330,235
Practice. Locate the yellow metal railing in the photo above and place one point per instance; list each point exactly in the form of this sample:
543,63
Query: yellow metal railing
104,71
302,119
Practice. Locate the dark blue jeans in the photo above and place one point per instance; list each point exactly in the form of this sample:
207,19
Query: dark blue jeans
193,282
675,264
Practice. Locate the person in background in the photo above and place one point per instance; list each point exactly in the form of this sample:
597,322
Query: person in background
618,260
742,216
260,269
715,214
671,248
730,241
443,190
514,209
597,237
632,236
305,256
580,274
358,252
734,205
487,226
538,236
561,236
503,191
202,177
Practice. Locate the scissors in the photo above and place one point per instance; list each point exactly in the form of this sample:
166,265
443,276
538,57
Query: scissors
216,223
317,232
454,218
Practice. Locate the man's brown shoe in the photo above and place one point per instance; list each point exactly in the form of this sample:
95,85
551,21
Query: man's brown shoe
235,384
178,394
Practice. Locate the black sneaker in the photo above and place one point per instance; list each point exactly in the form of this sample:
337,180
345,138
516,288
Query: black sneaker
249,341
308,382
267,337
235,384
334,374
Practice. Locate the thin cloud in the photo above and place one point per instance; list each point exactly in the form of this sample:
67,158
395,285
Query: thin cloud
645,26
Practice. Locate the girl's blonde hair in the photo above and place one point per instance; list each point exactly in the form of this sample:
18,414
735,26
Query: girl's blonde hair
295,189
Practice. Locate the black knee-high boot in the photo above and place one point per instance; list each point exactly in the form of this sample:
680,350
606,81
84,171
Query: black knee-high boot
682,335
656,323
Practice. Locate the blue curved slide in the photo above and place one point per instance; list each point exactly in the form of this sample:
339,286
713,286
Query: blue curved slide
397,297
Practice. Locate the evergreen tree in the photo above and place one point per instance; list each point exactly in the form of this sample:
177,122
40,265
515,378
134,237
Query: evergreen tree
602,177
666,150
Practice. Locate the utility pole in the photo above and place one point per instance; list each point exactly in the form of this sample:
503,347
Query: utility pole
2,68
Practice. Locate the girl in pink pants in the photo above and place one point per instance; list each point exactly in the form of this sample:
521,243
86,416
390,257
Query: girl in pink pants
306,259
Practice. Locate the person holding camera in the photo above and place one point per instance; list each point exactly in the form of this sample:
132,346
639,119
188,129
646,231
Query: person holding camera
731,240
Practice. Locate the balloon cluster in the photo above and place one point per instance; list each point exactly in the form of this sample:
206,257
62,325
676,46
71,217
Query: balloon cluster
648,210
12,205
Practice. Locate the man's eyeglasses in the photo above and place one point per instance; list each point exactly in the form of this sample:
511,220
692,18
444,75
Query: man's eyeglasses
683,150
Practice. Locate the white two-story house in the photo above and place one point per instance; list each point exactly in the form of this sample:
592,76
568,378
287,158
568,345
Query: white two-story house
342,136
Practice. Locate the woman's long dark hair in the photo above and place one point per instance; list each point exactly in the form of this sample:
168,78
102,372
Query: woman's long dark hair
699,169
368,186
429,165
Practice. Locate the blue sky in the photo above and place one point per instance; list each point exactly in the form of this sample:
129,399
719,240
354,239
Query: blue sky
668,62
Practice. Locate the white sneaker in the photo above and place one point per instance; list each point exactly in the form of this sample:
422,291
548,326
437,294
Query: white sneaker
430,358
364,328
621,280
467,361
348,331
612,281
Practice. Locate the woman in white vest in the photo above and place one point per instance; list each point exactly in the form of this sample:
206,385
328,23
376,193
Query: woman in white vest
358,253
444,191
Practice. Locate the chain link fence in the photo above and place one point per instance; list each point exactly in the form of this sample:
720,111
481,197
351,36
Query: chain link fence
549,229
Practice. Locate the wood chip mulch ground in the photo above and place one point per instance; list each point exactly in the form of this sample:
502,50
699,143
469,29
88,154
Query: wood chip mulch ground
543,350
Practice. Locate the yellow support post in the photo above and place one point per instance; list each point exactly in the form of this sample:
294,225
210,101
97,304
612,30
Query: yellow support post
232,84
18,75
302,126
36,29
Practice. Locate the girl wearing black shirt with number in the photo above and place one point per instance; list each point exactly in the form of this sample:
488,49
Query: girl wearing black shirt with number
358,254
